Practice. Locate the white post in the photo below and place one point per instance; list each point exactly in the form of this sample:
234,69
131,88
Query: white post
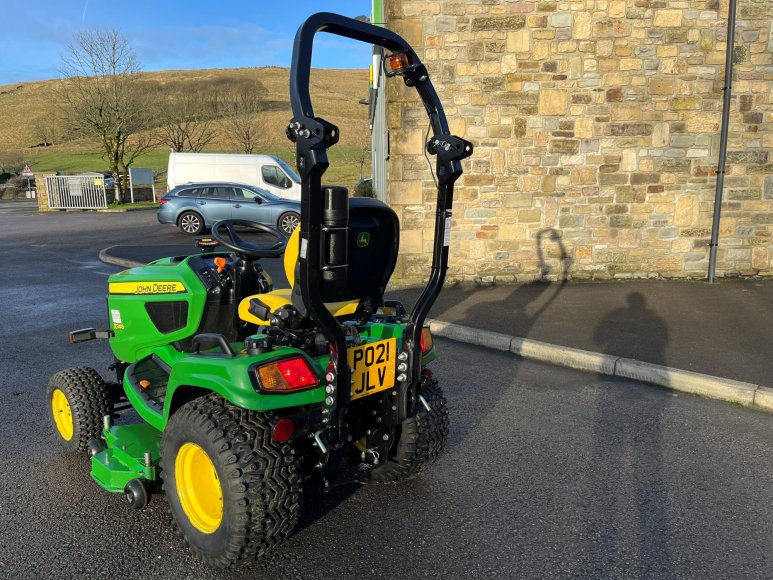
153,185
131,186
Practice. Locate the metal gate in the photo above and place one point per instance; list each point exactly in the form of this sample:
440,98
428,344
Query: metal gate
76,192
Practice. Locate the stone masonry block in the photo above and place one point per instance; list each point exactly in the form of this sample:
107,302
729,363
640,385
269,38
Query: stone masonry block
617,9
583,128
405,193
505,23
561,19
564,146
687,208
553,102
768,190
760,258
667,18
661,86
582,25
519,40
410,242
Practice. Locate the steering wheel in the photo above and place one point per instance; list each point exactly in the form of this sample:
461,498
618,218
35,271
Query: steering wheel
248,249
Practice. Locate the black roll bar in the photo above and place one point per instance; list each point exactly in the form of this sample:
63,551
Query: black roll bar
313,136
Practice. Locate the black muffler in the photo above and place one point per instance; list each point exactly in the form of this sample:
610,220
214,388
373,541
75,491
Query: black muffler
335,226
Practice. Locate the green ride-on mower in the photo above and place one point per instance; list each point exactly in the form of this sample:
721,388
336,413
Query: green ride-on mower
247,395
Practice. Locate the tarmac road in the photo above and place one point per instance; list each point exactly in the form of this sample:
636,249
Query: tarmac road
548,472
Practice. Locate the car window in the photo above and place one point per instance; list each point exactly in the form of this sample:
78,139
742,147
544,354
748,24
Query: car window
219,193
275,176
190,192
289,171
246,194
263,194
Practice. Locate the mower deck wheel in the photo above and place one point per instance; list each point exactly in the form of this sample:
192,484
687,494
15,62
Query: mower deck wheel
136,494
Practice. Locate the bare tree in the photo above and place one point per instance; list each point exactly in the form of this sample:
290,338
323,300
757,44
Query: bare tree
186,123
244,104
46,131
100,98
11,162
364,152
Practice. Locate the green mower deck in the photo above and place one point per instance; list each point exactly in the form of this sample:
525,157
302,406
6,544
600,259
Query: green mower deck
125,456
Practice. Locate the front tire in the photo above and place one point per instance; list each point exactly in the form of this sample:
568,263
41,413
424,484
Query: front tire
191,223
421,440
288,222
233,492
78,400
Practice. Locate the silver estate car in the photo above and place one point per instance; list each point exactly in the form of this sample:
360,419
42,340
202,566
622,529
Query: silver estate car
195,206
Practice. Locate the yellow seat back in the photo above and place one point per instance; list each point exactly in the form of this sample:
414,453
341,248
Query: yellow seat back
282,297
291,255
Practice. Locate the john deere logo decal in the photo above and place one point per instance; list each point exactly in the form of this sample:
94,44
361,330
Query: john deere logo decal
363,239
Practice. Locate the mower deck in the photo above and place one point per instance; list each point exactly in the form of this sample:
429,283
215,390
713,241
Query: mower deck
125,456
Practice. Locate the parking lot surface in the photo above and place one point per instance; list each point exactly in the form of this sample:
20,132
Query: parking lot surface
548,472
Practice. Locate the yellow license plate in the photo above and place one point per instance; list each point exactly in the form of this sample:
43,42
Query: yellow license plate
372,366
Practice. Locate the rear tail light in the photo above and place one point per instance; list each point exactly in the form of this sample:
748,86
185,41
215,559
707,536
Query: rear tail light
162,201
285,375
426,340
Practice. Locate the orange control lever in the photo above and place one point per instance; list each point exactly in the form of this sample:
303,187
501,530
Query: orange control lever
220,263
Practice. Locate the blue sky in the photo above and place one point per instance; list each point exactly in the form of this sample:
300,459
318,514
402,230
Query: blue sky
173,35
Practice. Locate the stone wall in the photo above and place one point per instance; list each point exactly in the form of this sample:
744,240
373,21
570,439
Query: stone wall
42,190
596,126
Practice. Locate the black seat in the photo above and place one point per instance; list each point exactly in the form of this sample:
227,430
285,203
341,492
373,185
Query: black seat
374,237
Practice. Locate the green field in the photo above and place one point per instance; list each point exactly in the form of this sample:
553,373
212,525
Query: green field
28,116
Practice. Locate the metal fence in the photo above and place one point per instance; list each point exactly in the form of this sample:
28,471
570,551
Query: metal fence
76,192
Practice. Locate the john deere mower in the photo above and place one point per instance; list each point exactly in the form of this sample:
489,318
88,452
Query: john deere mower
233,397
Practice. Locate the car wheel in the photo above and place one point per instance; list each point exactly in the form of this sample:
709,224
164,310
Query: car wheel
288,222
191,223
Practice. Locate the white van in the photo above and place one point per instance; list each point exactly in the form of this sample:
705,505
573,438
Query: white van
265,171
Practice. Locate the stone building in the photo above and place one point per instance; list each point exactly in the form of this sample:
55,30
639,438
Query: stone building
596,126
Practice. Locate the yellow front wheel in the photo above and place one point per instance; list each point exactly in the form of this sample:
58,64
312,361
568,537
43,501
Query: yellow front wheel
232,490
78,399
62,413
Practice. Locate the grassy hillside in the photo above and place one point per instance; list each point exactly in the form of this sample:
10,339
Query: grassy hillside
28,116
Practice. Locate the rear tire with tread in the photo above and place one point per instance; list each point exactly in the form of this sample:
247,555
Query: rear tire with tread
89,401
260,480
421,441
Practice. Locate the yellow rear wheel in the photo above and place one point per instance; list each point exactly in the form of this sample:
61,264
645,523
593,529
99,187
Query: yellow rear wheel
62,413
233,491
198,488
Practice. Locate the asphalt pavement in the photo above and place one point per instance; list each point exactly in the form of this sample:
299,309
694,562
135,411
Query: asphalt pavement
18,206
549,472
